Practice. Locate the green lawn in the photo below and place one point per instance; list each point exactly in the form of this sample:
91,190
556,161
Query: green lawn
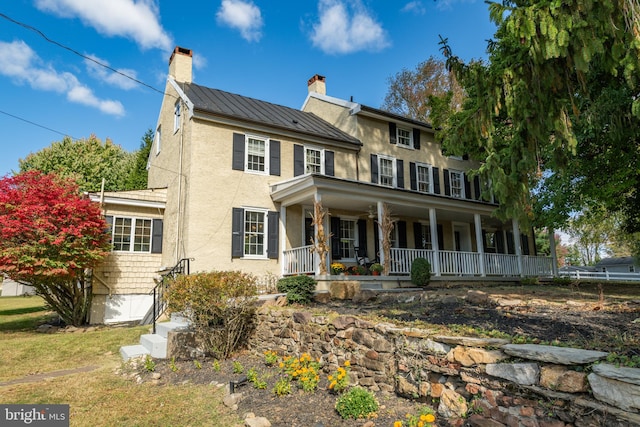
98,397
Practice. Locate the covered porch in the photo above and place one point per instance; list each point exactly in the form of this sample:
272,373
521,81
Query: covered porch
459,237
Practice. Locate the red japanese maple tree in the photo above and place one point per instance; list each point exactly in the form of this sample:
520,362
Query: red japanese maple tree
50,238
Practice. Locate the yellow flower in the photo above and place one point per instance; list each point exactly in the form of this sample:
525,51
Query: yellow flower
347,363
429,418
330,377
397,424
420,423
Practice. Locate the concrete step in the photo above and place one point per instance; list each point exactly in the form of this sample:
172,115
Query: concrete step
155,344
163,328
130,351
371,285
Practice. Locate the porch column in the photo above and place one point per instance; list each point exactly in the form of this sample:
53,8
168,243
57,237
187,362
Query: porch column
554,255
283,238
480,243
433,225
316,256
380,239
518,244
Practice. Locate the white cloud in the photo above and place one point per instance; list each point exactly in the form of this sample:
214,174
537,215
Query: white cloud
110,77
415,7
448,4
137,20
346,27
241,15
20,63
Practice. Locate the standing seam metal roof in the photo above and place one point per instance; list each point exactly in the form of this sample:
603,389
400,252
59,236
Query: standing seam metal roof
218,102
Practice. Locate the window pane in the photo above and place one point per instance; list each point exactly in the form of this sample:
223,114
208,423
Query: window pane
256,155
423,177
122,234
404,137
313,161
456,184
386,172
254,237
426,236
347,238
142,237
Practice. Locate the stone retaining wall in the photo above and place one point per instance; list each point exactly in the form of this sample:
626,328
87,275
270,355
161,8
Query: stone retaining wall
481,382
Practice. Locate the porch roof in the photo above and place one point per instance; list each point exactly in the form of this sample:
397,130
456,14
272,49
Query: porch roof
358,196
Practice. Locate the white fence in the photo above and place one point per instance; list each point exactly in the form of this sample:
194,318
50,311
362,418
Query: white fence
601,275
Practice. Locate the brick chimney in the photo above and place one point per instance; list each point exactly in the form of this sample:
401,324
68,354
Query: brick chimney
180,65
317,84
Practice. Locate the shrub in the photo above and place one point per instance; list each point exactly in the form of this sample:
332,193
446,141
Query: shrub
357,403
339,381
420,272
220,307
299,289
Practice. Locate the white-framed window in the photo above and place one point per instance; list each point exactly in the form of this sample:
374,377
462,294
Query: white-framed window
256,150
425,233
386,171
456,184
423,178
490,241
313,160
255,233
176,116
404,137
348,238
131,234
156,140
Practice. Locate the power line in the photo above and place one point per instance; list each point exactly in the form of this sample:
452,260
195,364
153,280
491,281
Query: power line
38,125
37,31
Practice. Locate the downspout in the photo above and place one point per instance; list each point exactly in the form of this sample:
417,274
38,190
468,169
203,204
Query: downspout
180,177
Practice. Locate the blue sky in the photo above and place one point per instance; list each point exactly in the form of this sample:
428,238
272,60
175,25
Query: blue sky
263,49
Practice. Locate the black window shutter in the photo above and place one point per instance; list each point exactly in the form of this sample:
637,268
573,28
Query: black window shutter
328,164
374,168
238,152
511,249
400,173
447,188
476,187
335,238
298,160
156,237
237,233
484,240
376,241
273,225
499,242
413,176
436,180
362,234
417,235
440,237
467,186
392,133
274,157
525,244
402,234
416,138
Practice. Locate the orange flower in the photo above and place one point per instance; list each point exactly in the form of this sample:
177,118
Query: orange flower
397,424
429,418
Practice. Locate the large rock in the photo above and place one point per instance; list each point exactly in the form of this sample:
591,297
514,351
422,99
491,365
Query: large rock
620,394
560,378
471,342
520,373
452,404
470,356
627,375
551,354
345,289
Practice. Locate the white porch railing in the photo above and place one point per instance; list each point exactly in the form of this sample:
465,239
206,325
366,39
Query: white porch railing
602,275
301,261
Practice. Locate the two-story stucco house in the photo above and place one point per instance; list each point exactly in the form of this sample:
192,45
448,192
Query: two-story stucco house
241,177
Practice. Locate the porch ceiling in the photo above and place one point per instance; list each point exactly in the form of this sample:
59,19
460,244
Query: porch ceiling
360,197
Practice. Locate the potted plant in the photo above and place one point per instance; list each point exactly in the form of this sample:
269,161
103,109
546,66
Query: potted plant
337,268
376,268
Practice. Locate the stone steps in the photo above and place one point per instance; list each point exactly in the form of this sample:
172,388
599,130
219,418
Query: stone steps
154,345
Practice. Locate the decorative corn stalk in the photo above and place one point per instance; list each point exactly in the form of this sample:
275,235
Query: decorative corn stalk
320,245
386,227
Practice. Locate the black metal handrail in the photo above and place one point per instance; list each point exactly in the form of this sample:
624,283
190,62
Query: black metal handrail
159,303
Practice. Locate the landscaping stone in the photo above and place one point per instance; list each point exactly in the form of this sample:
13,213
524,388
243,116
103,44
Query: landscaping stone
477,297
628,375
552,354
471,342
560,378
469,356
257,422
519,373
452,404
620,394
343,290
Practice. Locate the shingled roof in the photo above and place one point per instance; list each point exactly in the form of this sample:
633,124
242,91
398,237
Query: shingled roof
229,105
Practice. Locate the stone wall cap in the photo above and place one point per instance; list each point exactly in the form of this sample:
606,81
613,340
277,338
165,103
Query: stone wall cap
623,373
471,342
552,354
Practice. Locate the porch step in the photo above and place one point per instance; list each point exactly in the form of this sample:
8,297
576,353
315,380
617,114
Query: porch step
371,286
154,345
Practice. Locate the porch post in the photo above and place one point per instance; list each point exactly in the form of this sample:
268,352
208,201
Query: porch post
554,255
518,245
283,238
480,243
433,225
380,239
316,256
